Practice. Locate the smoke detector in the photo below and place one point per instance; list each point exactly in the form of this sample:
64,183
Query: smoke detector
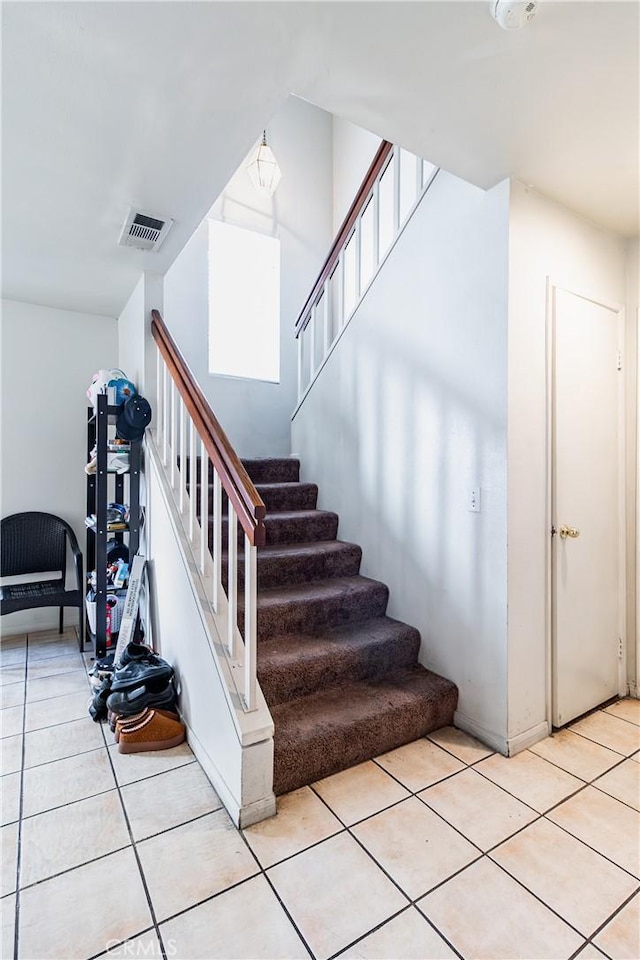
143,231
513,14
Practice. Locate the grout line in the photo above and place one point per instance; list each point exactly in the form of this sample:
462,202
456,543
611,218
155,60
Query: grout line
120,943
135,852
77,866
72,756
577,733
68,803
16,931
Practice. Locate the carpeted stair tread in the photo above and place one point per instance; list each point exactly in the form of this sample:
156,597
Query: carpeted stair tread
273,469
297,665
288,495
319,605
275,496
321,734
292,526
283,563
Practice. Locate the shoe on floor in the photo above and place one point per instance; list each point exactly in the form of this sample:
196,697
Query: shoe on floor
153,732
138,672
126,703
122,723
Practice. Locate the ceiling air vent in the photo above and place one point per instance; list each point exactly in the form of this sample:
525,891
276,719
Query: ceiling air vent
144,231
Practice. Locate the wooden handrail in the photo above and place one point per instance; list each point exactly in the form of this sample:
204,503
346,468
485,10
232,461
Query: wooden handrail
235,480
355,209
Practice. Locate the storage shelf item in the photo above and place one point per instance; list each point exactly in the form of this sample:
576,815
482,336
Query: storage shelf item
99,485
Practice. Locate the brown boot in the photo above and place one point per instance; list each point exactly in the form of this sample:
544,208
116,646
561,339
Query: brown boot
122,722
153,732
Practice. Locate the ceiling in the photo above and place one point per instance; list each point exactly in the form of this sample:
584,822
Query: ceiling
107,105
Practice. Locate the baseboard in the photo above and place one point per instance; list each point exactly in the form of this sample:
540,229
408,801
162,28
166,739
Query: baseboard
526,739
242,816
480,732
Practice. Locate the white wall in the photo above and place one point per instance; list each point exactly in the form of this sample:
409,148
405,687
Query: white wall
256,415
545,240
48,358
408,415
353,150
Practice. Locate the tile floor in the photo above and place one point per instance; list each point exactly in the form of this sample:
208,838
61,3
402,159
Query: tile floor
440,849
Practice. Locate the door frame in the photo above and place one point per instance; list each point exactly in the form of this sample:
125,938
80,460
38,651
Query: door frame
552,286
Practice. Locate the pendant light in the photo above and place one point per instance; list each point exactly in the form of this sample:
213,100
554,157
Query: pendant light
263,169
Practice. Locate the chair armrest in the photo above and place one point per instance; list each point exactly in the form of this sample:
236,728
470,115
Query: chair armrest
77,556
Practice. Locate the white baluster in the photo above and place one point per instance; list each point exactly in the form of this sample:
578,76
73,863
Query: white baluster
173,434
217,539
300,365
325,318
232,588
250,623
311,333
165,413
159,426
376,225
183,452
358,243
204,506
396,191
193,480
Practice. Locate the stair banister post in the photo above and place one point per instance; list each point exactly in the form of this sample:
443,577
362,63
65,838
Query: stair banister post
193,479
204,505
183,453
217,540
232,588
250,623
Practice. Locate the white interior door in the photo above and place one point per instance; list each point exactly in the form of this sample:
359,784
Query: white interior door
585,506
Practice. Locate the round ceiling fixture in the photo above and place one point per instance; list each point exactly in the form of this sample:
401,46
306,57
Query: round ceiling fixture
513,14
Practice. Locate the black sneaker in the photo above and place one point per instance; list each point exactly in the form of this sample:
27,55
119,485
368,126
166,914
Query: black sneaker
127,702
139,672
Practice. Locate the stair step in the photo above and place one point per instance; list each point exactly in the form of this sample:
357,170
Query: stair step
297,665
291,526
288,563
273,469
276,496
309,607
319,735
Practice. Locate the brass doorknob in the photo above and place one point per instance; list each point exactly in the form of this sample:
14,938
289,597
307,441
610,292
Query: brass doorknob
572,532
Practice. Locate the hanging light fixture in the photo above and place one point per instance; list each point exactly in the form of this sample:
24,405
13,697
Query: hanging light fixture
263,169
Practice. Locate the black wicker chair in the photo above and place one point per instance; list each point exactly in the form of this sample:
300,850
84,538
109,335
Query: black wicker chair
37,543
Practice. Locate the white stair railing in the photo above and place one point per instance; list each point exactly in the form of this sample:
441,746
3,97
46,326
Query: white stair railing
394,185
198,458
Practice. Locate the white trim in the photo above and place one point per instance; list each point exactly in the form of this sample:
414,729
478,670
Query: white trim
527,738
489,737
347,320
617,308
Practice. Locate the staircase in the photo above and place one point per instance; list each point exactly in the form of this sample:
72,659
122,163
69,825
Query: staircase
342,680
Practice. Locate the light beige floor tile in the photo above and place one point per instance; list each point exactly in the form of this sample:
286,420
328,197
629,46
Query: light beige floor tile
628,709
590,953
48,687
335,894
146,945
530,778
610,731
8,921
130,767
623,783
414,846
635,756
569,877
485,914
481,811
64,781
51,648
620,939
47,713
55,666
460,744
11,721
71,835
10,797
183,794
218,929
12,653
80,913
360,791
408,936
419,764
10,754
14,673
12,695
9,848
302,820
604,824
52,634
194,861
62,740
577,755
